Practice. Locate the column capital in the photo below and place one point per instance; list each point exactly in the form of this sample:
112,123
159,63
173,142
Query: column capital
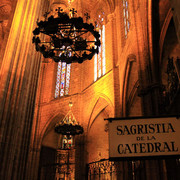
111,17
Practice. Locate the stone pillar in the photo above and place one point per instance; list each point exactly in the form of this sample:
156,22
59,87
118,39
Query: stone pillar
147,58
112,21
36,137
19,76
148,72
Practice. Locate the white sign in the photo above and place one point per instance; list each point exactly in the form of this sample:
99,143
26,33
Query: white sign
144,137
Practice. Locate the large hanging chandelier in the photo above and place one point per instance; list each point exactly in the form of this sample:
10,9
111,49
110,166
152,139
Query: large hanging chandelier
66,38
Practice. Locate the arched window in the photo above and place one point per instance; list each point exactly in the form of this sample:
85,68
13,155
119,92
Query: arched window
62,79
67,142
99,59
126,17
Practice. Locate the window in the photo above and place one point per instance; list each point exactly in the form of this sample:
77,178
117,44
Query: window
126,17
67,142
62,79
99,59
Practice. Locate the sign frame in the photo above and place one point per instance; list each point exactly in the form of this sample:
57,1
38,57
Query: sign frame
142,157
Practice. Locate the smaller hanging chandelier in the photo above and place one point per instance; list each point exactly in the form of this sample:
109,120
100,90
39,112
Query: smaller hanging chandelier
66,39
69,126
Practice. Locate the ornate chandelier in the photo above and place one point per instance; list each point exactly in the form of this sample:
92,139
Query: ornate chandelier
66,39
69,126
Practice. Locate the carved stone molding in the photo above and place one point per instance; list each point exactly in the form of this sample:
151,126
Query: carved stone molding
5,9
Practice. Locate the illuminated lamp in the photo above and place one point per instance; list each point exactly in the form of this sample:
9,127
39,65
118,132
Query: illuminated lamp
69,126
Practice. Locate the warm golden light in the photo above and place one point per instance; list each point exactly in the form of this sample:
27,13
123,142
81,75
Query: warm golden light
70,1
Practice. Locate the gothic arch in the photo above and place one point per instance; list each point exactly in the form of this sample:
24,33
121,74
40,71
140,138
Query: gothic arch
111,5
101,103
163,33
63,4
128,69
49,126
106,6
97,144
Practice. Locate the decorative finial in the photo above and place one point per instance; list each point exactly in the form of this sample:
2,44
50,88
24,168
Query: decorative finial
46,15
87,16
73,12
96,24
70,104
59,10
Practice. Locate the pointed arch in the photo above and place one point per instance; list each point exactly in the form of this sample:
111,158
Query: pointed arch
163,33
128,69
99,104
49,126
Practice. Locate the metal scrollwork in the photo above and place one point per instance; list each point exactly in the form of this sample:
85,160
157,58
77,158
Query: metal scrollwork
169,92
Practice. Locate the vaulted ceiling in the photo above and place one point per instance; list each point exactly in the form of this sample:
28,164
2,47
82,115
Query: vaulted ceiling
85,5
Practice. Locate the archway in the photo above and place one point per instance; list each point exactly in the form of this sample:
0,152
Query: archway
57,158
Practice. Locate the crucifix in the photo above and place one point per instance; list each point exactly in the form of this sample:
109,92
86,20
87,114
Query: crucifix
87,16
73,12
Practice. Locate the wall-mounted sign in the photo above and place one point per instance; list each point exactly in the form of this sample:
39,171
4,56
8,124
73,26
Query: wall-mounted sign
144,137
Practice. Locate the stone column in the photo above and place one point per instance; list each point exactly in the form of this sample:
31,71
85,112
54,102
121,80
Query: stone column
148,72
19,76
112,21
147,58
